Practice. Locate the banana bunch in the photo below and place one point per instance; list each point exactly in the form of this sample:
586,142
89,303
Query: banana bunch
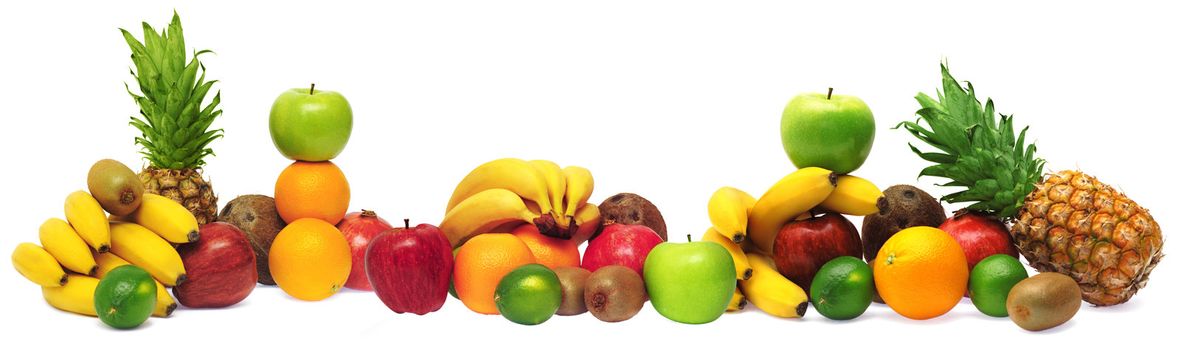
76,252
502,194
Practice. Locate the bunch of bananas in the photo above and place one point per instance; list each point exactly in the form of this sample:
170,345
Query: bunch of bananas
747,228
500,195
76,252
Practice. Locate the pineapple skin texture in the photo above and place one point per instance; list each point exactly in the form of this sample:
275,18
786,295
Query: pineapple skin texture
1075,225
185,186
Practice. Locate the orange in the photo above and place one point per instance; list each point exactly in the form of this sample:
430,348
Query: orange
921,272
482,262
310,259
312,190
549,251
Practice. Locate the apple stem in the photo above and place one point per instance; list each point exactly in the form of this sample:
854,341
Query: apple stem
365,213
312,90
829,94
689,237
406,222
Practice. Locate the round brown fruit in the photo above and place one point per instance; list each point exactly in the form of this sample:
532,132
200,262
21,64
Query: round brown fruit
117,188
614,293
256,216
573,280
631,209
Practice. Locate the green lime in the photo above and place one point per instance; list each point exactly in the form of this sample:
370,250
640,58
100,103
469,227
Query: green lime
991,280
529,295
843,288
451,290
125,297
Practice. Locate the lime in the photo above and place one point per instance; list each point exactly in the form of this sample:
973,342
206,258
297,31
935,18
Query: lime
991,280
125,297
843,288
529,295
451,290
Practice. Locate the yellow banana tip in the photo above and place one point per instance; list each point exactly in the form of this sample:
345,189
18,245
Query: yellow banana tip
738,237
93,271
194,235
105,247
168,311
746,275
802,308
65,279
181,279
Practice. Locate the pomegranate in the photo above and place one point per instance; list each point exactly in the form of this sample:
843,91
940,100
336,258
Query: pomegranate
359,228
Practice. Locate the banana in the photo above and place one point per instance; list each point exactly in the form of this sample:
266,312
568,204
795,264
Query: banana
511,174
77,296
771,292
793,195
853,196
555,183
484,211
738,302
579,185
166,218
728,209
741,263
88,219
164,302
38,265
61,241
586,223
145,249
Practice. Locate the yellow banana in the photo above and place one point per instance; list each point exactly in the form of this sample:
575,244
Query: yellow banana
484,211
585,223
145,249
38,265
77,296
793,195
167,218
511,174
555,183
61,241
164,302
579,185
728,209
88,219
853,196
738,302
741,263
771,292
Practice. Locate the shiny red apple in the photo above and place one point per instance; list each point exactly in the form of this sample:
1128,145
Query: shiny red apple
802,247
410,268
619,244
980,236
359,229
220,267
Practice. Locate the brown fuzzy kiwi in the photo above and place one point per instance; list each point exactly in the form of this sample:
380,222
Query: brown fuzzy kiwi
901,206
1044,301
257,217
117,188
631,209
573,280
614,293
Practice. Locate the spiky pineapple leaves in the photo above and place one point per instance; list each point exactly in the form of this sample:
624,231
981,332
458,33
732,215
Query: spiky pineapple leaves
175,127
976,151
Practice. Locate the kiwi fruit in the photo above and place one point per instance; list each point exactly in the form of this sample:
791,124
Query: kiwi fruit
900,207
1044,301
257,216
573,280
614,293
631,209
117,188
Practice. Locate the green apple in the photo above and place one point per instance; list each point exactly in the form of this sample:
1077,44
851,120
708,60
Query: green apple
311,125
690,282
833,132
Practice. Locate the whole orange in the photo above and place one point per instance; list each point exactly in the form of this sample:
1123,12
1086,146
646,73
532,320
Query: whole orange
481,263
312,190
921,272
549,251
310,259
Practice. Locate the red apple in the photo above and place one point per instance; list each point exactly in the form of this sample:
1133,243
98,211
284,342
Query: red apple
220,267
410,268
980,236
359,229
619,244
802,247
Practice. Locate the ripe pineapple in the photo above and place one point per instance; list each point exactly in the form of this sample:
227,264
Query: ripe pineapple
1065,222
174,125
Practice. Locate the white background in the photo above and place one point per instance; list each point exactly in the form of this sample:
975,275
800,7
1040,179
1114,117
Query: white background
668,99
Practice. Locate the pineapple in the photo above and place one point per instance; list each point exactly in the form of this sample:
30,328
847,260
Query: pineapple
1066,222
174,125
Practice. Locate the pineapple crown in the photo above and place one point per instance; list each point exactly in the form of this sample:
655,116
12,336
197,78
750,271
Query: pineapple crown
975,151
174,126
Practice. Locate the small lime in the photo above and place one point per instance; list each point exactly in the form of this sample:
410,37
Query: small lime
125,297
842,288
529,295
991,280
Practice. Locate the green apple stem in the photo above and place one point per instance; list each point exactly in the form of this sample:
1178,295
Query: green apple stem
689,237
406,222
312,90
829,94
